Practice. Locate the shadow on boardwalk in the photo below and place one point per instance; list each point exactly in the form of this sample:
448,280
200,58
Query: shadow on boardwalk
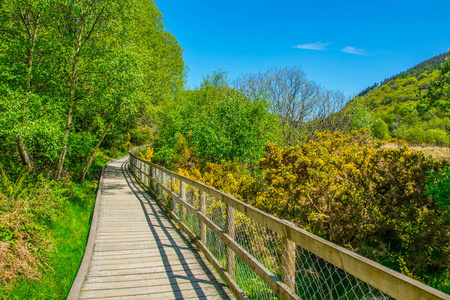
138,253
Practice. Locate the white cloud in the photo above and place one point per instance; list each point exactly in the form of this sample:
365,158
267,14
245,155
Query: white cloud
313,46
353,50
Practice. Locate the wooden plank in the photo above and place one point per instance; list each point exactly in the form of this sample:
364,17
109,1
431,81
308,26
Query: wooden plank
155,282
147,270
142,263
201,289
198,273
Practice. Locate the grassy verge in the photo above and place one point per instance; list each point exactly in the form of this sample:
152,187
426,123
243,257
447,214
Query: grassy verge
64,232
67,235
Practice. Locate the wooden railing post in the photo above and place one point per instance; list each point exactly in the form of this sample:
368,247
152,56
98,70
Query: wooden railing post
161,180
163,193
174,203
231,260
183,197
145,177
288,261
150,173
139,169
203,211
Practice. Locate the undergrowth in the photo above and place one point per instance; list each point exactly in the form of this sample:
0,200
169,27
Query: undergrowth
44,227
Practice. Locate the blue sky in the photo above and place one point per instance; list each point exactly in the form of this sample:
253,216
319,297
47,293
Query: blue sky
342,45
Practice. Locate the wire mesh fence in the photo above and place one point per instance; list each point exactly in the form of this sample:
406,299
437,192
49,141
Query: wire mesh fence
303,274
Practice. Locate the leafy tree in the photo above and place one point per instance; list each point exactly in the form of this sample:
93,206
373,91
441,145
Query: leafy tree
361,117
380,129
219,123
72,71
160,58
131,63
27,82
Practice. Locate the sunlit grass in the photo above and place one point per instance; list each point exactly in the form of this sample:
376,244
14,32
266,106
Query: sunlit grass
68,235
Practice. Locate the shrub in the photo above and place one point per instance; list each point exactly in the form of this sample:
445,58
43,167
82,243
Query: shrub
369,199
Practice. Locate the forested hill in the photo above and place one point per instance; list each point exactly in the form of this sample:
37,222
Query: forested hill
394,103
428,65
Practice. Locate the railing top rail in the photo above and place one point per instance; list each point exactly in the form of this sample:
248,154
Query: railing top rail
386,280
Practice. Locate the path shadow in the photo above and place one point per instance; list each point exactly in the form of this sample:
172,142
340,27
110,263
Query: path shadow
150,207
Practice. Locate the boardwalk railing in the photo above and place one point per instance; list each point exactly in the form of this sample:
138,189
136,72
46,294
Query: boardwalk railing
261,256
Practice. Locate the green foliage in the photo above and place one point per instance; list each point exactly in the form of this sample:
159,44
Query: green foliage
141,136
384,98
438,188
438,92
25,212
44,228
56,236
380,129
361,117
69,71
219,122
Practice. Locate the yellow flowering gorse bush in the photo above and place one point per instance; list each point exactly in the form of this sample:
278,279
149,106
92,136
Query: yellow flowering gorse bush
345,188
357,194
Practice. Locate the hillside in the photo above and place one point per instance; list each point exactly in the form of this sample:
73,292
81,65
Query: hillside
426,66
394,103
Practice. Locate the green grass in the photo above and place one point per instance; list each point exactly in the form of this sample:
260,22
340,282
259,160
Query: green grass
440,282
67,232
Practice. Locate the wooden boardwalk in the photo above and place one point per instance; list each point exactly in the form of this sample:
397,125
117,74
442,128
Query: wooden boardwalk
135,252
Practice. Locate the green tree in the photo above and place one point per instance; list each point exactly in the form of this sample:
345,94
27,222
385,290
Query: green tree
221,123
72,70
380,129
361,117
28,112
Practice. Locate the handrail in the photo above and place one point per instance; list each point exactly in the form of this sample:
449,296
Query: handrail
291,240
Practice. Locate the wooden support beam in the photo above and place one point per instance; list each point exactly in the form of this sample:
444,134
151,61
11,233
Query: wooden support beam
183,198
203,211
231,230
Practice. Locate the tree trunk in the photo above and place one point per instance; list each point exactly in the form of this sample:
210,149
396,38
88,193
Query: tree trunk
32,35
23,154
73,85
88,164
62,156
